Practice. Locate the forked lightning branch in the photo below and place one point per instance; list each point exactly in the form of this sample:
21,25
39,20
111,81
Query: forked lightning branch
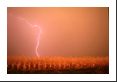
32,26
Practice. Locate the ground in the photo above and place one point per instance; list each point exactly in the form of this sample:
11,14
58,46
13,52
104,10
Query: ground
57,65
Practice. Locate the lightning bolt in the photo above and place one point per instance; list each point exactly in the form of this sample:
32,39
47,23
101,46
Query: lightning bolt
38,40
32,26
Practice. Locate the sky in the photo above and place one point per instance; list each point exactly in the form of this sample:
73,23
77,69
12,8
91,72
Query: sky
65,31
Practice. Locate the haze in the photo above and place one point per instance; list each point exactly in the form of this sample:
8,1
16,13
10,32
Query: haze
66,31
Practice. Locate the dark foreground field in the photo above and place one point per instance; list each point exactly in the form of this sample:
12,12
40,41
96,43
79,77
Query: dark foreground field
57,65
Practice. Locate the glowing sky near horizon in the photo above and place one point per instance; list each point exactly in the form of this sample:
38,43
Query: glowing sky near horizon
70,31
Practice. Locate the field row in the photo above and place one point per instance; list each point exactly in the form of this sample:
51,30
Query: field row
58,65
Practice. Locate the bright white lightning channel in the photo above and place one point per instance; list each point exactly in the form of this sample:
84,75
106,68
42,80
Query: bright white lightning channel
33,26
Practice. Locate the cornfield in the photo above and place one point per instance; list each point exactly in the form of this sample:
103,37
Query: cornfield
57,65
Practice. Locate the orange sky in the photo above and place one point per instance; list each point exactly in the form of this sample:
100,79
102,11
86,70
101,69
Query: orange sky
70,31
